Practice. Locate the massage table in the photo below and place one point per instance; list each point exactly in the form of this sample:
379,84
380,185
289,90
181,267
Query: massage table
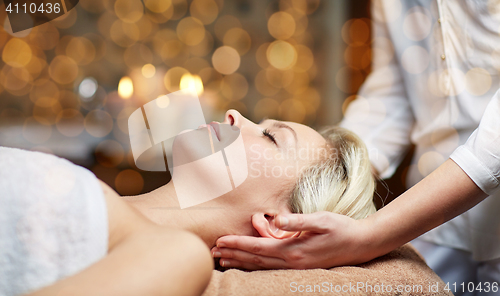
401,272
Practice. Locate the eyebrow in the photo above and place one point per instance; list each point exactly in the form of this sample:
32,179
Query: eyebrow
278,124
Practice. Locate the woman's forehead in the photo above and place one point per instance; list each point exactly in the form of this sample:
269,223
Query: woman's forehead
306,134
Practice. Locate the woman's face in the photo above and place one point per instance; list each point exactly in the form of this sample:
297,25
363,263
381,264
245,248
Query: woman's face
276,152
242,167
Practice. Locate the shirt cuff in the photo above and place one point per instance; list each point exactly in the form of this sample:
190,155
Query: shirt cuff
476,170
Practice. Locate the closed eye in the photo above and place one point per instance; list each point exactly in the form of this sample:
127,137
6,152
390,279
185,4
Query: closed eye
268,134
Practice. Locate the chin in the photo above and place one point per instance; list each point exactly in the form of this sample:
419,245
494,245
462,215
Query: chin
190,146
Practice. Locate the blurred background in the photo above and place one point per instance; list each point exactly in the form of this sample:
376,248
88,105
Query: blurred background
67,87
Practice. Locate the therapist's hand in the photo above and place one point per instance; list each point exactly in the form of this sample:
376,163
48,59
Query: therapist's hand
327,240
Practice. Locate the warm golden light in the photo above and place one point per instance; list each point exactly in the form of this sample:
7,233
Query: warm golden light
264,64
163,101
281,55
124,34
158,6
238,39
355,32
81,50
125,87
204,10
224,24
129,11
148,70
191,31
173,77
16,53
63,69
226,60
191,83
281,25
234,86
266,107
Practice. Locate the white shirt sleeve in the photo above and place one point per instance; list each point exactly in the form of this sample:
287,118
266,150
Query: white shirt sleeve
381,115
479,157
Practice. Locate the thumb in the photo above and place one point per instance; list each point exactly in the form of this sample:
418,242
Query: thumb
315,222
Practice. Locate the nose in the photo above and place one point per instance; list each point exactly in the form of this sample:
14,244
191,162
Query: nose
233,117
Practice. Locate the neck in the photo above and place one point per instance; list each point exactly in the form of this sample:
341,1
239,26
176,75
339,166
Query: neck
208,221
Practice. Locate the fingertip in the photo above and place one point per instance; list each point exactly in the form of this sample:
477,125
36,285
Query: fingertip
282,222
222,242
227,241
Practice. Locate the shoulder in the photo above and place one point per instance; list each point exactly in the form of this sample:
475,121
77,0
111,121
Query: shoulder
123,219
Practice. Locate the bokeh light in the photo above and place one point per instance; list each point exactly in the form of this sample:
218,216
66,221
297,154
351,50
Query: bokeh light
63,69
356,32
163,101
226,60
281,55
266,108
98,123
417,23
125,87
415,59
87,88
224,24
158,6
173,77
70,122
281,25
191,83
386,11
234,86
204,10
16,53
478,81
109,153
129,182
77,79
44,92
148,70
191,31
129,11
238,39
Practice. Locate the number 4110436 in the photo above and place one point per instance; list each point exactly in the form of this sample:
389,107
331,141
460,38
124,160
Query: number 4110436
32,8
471,287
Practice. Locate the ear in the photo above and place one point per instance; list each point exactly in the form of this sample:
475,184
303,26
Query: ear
264,223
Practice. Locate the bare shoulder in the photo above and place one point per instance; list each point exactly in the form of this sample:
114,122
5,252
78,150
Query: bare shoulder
123,219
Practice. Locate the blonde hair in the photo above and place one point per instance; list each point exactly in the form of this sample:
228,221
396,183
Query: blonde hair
341,182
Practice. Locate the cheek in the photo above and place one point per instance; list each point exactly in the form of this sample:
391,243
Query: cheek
273,167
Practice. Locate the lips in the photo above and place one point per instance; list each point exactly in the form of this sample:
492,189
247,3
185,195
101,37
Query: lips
215,128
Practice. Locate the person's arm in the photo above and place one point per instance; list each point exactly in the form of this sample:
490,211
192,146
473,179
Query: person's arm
334,240
143,259
444,194
381,115
472,173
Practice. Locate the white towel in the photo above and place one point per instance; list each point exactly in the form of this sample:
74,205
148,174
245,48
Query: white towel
53,220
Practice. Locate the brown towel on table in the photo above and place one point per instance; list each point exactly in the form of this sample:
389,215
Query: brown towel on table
401,272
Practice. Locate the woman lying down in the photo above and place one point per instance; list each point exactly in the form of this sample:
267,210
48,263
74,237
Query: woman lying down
64,232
